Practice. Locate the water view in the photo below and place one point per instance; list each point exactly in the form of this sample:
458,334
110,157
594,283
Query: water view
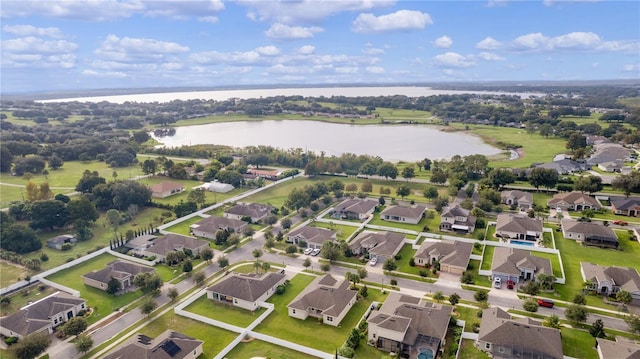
391,142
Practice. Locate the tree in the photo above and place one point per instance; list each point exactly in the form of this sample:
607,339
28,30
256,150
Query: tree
31,346
206,254
55,162
148,306
438,296
588,184
481,296
330,251
390,265
149,166
597,329
633,321
354,338
113,286
500,177
48,214
291,249
366,186
543,177
431,193
6,159
223,262
88,181
531,288
545,281
576,314
20,239
454,299
33,165
74,326
149,282
530,305
403,191
82,209
579,299
624,297
199,278
627,183
197,196
84,343
306,263
438,176
552,321
113,217
172,293
187,266
408,172
362,273
325,267
388,170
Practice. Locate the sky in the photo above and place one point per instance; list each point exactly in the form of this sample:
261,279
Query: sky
97,44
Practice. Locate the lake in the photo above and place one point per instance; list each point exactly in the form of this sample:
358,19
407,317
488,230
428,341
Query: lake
223,95
390,142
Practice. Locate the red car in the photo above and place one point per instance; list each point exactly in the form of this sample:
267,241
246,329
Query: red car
510,284
620,223
545,303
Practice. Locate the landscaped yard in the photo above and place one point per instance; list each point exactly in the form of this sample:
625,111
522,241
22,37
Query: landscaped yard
487,257
19,299
342,231
224,313
406,253
481,280
101,302
376,221
260,349
469,351
578,344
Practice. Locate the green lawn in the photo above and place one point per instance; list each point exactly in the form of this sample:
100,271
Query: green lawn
555,262
210,197
406,253
224,313
578,344
184,226
481,280
11,273
102,303
22,297
260,349
342,231
487,257
469,315
469,351
377,221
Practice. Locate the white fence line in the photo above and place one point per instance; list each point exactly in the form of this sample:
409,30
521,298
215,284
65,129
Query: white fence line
132,258
71,291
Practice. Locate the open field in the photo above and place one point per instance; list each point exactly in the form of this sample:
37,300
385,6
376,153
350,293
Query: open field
11,273
578,344
224,313
184,226
342,231
260,349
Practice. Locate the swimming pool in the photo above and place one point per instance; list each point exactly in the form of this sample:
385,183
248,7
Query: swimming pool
523,243
425,353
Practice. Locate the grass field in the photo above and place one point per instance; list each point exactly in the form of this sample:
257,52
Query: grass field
578,344
31,293
487,257
184,226
101,302
224,313
481,280
469,351
12,273
342,231
260,349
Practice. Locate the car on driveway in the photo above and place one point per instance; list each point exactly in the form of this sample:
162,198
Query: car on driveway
510,284
315,252
497,282
373,261
545,303
308,250
620,223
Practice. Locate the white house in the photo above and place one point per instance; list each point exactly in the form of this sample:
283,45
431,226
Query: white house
246,290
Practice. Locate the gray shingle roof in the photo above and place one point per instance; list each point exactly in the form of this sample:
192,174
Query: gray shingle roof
213,223
253,210
626,278
589,230
171,242
625,204
575,198
381,243
169,342
331,299
519,196
455,211
246,287
117,269
518,224
508,260
455,253
356,205
620,349
414,211
312,234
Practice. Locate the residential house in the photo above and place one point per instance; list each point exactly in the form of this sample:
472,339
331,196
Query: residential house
174,242
325,298
589,233
596,140
313,236
518,265
573,201
457,219
610,280
403,214
166,189
266,174
246,291
42,316
216,186
168,345
608,152
626,206
618,349
502,337
565,166
380,245
255,211
452,255
140,244
614,166
355,208
409,326
58,241
209,226
121,270
518,227
521,199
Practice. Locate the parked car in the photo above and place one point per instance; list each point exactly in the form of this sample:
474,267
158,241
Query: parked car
315,252
510,284
545,303
497,282
308,250
373,261
620,223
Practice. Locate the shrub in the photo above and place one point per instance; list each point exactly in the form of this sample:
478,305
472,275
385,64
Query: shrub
10,340
530,305
281,289
66,246
394,282
475,327
44,257
423,273
412,262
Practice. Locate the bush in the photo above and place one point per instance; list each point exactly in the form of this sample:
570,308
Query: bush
44,257
412,262
475,327
10,340
281,289
346,351
423,273
530,305
66,246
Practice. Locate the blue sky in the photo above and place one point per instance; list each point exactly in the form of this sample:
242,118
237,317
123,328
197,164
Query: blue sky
70,45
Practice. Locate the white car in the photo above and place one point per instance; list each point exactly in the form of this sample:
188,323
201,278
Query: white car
373,261
308,250
315,252
497,282
559,210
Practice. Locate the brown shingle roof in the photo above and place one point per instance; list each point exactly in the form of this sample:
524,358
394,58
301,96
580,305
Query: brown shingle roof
117,269
455,253
213,223
356,205
312,234
171,242
331,299
507,260
414,211
253,210
518,223
573,198
384,244
246,287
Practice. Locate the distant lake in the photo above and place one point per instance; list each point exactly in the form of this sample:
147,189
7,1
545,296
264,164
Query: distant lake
223,95
390,142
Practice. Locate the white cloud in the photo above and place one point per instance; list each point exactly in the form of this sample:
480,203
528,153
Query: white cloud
583,41
268,50
279,31
209,19
128,49
452,59
399,20
632,68
230,58
347,70
375,69
488,56
534,41
30,30
182,10
115,74
550,3
307,49
443,42
31,44
488,44
371,50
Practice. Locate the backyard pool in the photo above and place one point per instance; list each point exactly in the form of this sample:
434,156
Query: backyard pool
425,353
523,243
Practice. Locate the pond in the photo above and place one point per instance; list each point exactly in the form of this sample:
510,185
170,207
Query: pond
390,142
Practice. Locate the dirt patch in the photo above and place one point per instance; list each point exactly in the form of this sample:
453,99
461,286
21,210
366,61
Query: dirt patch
248,339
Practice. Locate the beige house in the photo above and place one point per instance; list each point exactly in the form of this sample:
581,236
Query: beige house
518,227
503,337
379,245
573,201
518,265
618,349
403,214
325,298
409,326
255,211
166,189
521,199
209,226
121,270
313,236
58,241
168,345
246,291
610,280
457,219
42,316
452,255
355,208
590,233
160,246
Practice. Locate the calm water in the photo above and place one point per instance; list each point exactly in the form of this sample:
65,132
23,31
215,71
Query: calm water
392,142
222,95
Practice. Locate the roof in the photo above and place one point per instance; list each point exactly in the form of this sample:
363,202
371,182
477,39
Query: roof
216,186
253,210
247,287
172,242
608,152
455,211
626,278
356,205
312,234
509,260
60,239
520,196
563,166
590,230
117,269
213,223
139,241
168,345
626,204
37,316
326,294
166,186
413,317
619,349
379,243
573,198
414,211
449,252
518,223
525,335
